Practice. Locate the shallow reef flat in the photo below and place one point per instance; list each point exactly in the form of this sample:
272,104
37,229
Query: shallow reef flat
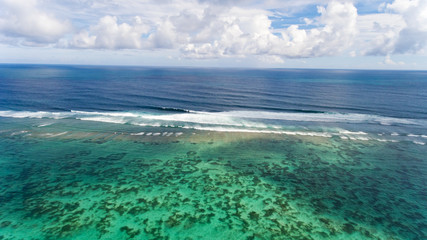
71,184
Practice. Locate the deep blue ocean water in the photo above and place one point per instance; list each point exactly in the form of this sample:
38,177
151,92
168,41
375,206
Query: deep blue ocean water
149,153
63,88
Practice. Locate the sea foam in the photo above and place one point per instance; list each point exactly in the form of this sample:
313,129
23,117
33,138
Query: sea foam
231,118
231,121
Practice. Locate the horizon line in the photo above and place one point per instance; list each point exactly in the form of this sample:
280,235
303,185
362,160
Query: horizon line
211,67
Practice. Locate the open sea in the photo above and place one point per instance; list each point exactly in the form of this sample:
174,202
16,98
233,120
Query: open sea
91,152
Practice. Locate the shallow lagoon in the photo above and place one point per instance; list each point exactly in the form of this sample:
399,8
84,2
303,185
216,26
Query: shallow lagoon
75,180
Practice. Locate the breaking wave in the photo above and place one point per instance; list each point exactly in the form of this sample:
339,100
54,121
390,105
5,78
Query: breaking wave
249,119
285,123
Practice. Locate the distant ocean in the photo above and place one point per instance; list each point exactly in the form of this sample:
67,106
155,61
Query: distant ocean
91,152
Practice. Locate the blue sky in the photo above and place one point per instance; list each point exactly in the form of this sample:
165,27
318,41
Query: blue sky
369,34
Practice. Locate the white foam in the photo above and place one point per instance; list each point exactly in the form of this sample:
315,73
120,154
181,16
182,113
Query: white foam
50,135
241,130
386,140
102,119
253,121
138,134
45,124
239,118
417,136
233,121
148,124
363,138
112,114
38,114
419,143
18,133
352,133
413,135
319,117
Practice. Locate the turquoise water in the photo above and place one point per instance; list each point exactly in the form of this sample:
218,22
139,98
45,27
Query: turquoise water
160,153
85,183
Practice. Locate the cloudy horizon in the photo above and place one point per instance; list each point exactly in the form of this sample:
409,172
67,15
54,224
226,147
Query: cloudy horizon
307,34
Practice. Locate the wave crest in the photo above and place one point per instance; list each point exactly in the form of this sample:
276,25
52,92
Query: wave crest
230,121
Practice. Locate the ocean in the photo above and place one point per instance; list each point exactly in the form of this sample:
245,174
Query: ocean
103,152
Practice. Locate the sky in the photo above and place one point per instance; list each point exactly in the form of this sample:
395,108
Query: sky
337,34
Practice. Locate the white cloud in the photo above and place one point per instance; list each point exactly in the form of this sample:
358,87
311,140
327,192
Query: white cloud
271,59
23,19
334,35
200,29
413,37
402,6
221,28
208,31
228,32
164,37
239,32
389,61
403,29
378,33
111,35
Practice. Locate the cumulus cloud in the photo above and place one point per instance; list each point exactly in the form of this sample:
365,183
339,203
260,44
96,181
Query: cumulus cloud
111,35
164,37
389,61
221,28
413,37
271,59
336,32
404,32
239,32
213,31
378,33
23,19
226,32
